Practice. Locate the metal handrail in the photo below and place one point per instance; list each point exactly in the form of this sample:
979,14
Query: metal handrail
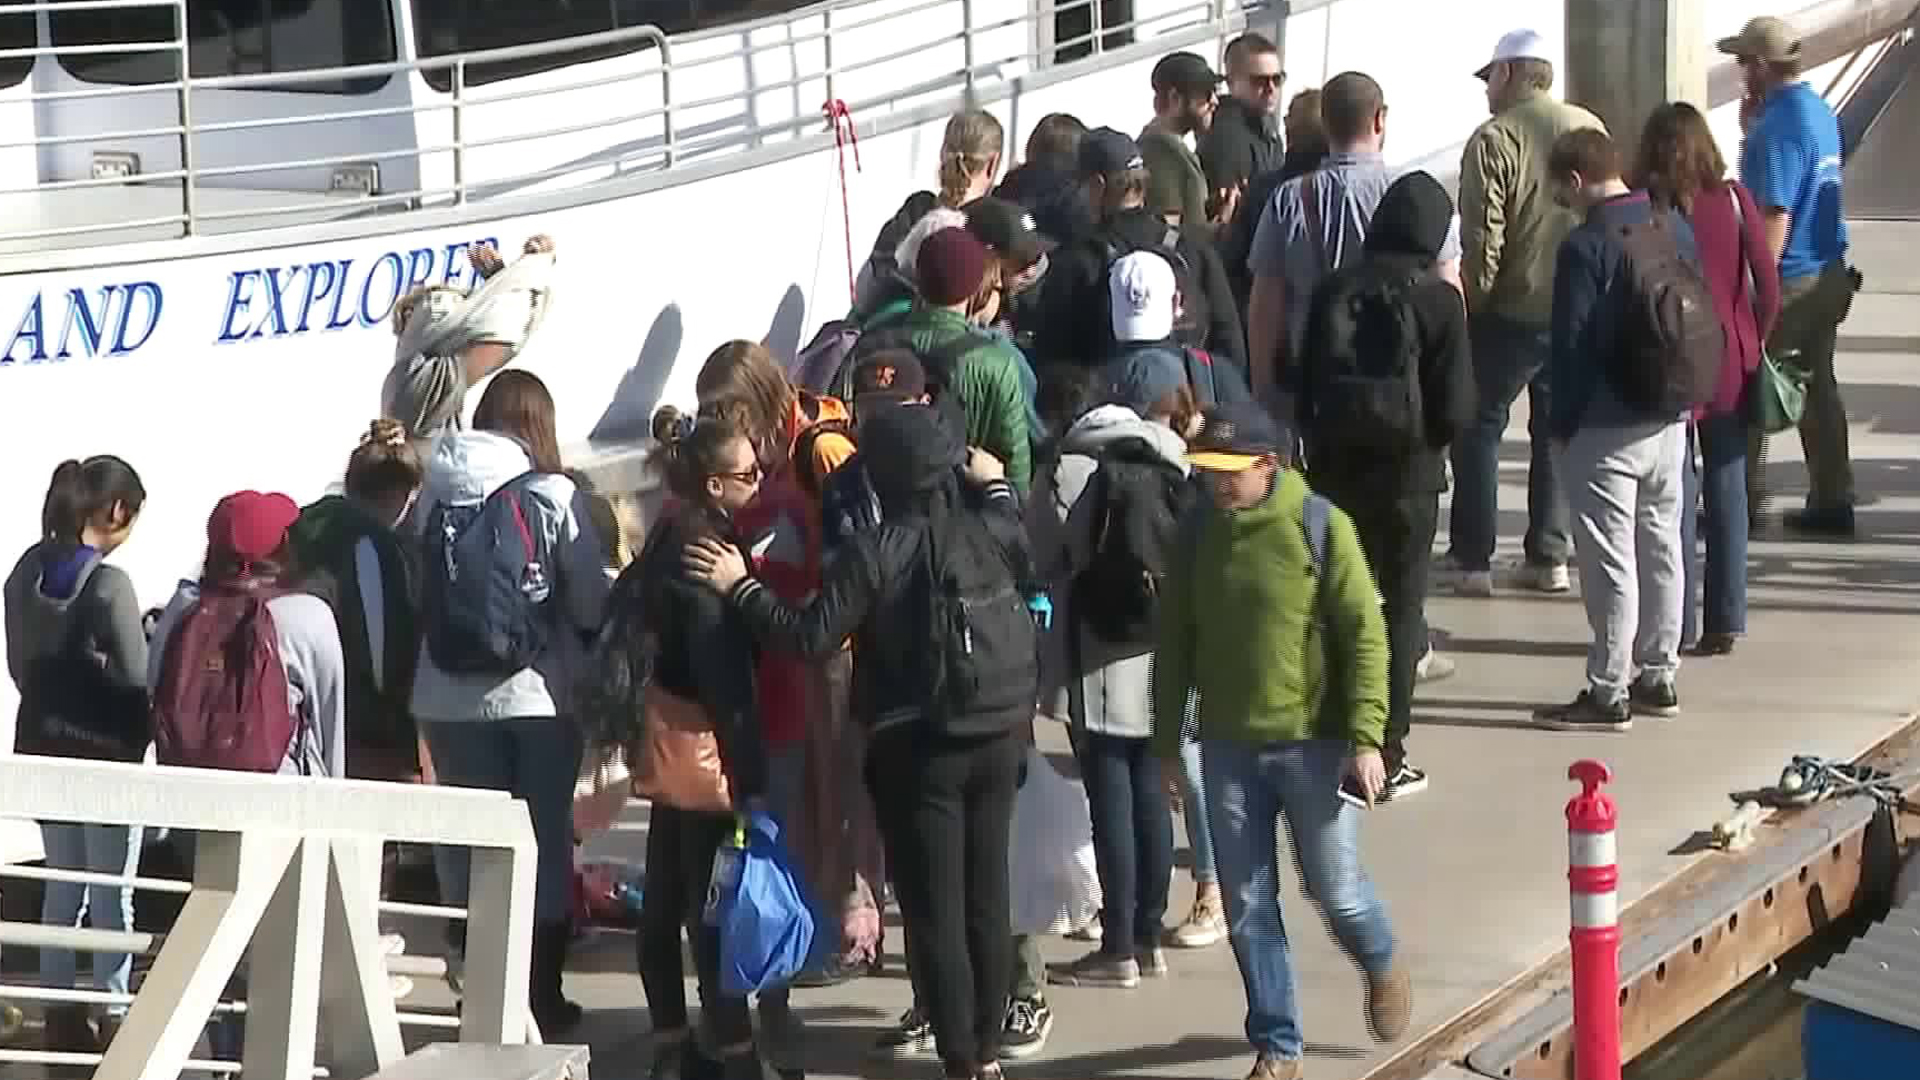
659,149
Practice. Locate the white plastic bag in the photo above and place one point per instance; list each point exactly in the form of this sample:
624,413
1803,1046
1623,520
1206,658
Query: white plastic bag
1050,853
600,793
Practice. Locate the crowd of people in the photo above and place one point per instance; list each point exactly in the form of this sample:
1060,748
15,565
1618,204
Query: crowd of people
1146,436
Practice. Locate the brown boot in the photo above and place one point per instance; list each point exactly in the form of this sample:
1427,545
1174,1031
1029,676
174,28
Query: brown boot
1389,1004
1268,1067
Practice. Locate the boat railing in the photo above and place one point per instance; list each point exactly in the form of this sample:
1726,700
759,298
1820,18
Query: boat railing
284,887
199,154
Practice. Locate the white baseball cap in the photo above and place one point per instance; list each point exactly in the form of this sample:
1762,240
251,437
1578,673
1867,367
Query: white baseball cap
1517,45
1141,287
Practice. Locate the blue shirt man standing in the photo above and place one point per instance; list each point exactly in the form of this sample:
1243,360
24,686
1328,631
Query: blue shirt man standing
1791,162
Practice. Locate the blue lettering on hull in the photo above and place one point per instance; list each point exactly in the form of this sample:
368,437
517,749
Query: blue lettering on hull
262,302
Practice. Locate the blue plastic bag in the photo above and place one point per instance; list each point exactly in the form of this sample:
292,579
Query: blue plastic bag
757,902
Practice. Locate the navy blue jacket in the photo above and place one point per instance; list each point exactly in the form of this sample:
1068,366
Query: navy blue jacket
1588,305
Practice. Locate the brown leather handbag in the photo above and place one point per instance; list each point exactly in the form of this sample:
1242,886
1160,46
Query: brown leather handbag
677,759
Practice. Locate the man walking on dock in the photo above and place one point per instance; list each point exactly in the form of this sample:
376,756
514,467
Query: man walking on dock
1292,682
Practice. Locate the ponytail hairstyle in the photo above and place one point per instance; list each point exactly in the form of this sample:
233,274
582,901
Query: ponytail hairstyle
692,448
385,465
972,145
83,490
518,404
742,383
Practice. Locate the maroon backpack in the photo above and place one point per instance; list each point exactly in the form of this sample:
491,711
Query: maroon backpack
222,699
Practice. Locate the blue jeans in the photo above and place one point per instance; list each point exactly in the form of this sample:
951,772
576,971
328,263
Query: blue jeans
98,849
536,759
1132,838
1716,473
1248,789
1194,794
1507,358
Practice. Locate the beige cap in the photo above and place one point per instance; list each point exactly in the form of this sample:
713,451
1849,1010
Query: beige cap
1766,38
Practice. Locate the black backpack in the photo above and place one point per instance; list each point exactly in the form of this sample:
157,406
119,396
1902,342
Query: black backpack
489,580
326,544
1363,353
610,694
1138,501
984,661
1671,345
1190,300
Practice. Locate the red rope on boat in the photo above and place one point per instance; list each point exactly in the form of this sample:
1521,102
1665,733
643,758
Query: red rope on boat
844,135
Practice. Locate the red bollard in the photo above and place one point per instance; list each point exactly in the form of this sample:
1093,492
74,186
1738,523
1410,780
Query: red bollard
1594,878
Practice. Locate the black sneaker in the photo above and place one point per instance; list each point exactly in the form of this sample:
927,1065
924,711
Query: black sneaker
1404,781
1029,1022
911,1037
1654,697
1836,521
1585,713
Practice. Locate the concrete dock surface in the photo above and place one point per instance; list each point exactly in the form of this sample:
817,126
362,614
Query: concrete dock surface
1473,870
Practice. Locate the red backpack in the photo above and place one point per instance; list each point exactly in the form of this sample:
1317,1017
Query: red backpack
222,699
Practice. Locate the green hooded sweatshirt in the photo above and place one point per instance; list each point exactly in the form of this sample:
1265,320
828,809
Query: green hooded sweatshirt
1275,652
988,385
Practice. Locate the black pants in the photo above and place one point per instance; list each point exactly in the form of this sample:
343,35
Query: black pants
945,807
1396,531
680,849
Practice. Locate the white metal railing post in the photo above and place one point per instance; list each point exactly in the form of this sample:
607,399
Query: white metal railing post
826,45
459,131
966,44
189,202
1096,21
493,985
666,96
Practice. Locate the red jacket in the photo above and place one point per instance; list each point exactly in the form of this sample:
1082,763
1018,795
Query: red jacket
1728,254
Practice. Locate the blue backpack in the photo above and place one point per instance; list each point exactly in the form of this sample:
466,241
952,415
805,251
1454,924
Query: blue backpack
489,580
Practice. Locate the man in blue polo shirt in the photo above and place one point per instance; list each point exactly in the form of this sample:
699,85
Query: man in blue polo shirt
1791,163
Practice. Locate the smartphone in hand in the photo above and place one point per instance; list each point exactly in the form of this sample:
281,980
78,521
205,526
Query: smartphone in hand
1352,792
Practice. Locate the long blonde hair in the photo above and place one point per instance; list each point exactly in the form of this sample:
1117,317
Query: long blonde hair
972,145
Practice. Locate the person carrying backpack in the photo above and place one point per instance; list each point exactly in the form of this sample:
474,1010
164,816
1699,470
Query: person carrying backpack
1070,320
351,555
77,652
1269,614
1637,346
1105,528
934,598
1386,385
514,581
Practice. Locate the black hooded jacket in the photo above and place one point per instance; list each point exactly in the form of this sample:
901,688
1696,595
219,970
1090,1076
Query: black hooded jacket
875,588
1070,318
1404,237
1052,196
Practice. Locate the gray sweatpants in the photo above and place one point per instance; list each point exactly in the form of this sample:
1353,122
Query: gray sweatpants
1623,488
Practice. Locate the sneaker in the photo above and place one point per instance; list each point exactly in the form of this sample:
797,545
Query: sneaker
1830,521
1546,577
990,1071
912,1036
1029,1022
1654,697
1404,781
1477,583
1433,667
68,1029
1585,713
1151,961
1389,1004
1271,1067
681,1059
1089,931
1714,644
1206,924
1097,968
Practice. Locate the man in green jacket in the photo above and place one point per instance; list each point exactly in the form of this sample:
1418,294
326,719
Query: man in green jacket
957,297
1271,618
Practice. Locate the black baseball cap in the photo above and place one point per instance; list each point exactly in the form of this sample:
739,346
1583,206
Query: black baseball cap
888,375
1186,72
1104,151
1008,230
1236,436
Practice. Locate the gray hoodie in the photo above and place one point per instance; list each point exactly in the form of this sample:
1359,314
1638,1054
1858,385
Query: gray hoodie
1110,693
466,467
57,591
